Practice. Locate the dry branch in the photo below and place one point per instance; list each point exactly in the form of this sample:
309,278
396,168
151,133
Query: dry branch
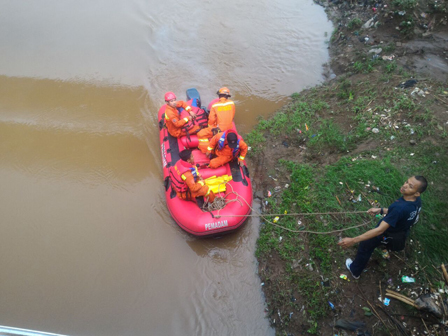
401,298
445,274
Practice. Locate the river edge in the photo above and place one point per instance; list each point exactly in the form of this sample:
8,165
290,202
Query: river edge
347,145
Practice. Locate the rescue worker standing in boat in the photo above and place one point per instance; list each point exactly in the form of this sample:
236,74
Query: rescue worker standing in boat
220,119
187,181
176,125
228,146
222,112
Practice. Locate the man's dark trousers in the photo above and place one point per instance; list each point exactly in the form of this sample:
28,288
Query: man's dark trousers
365,251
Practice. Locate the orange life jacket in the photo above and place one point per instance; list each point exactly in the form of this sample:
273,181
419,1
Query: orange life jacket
176,172
173,121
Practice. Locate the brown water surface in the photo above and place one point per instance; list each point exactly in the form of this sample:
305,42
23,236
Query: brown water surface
87,246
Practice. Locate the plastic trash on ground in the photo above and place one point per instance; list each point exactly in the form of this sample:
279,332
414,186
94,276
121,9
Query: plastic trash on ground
344,277
368,24
407,279
388,58
431,303
349,325
408,83
418,91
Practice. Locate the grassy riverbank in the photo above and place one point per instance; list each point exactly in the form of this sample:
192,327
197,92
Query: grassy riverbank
345,146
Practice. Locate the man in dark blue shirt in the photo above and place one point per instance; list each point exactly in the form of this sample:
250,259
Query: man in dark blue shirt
392,230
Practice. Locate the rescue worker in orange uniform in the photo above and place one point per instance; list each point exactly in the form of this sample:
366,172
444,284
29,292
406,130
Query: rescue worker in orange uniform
222,112
203,138
228,146
220,118
176,125
187,181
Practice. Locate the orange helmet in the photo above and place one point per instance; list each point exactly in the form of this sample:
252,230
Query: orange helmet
169,95
223,91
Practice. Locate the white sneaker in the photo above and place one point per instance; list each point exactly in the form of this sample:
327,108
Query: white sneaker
348,262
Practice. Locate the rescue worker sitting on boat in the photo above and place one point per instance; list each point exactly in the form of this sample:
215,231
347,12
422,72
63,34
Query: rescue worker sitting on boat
228,146
204,136
220,118
187,181
176,125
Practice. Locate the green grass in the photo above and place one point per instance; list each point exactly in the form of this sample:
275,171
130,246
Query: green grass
314,189
389,48
257,137
404,103
344,90
294,122
365,66
391,67
429,161
334,34
438,6
404,4
407,26
369,107
354,23
317,188
328,135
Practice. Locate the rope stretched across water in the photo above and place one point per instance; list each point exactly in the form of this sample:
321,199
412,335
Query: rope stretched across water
221,202
300,214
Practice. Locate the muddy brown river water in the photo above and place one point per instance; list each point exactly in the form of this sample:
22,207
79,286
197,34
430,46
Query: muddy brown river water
87,246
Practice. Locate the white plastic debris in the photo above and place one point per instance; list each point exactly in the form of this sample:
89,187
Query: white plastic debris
375,51
388,58
418,92
368,24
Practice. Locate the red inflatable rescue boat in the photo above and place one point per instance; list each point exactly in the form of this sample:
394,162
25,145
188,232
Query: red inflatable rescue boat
230,181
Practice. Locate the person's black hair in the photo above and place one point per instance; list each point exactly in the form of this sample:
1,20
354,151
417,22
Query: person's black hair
423,183
224,96
185,154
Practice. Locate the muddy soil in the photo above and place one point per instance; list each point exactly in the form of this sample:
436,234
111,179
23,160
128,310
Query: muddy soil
423,50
